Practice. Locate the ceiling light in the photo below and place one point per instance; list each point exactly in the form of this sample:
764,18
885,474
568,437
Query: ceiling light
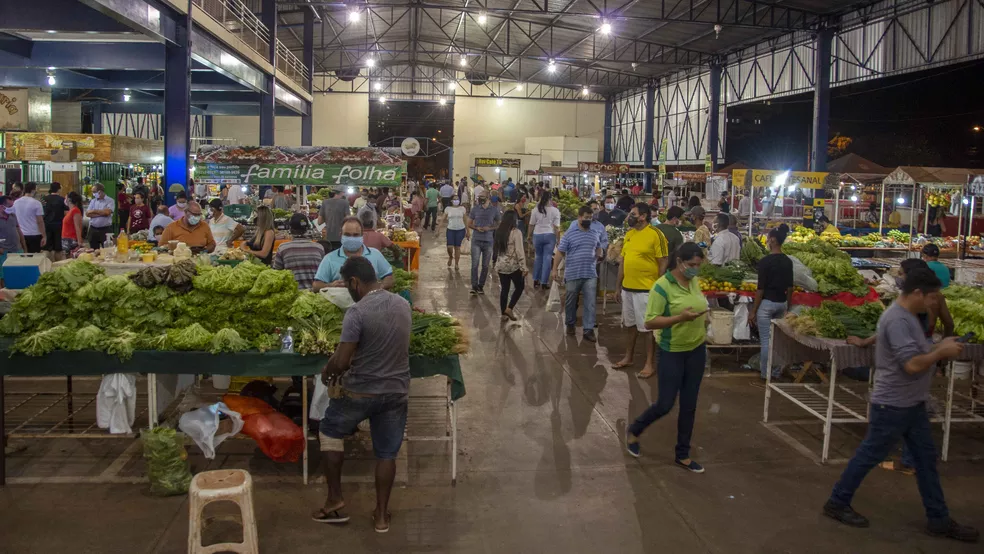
354,15
377,86
519,86
126,95
585,91
606,27
370,62
382,99
51,68
51,32
482,18
442,102
551,65
901,200
464,61
499,101
451,85
51,78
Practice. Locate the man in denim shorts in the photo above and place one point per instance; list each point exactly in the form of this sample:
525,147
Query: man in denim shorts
373,361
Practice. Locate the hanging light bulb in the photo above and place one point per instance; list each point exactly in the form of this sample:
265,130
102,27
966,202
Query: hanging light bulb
451,85
551,65
585,91
370,62
51,77
499,101
519,86
382,99
377,86
482,18
126,95
606,27
901,200
354,15
464,61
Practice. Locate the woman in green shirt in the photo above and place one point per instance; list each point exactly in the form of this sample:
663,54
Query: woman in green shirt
676,311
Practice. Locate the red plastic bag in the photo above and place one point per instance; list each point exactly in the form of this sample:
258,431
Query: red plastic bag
246,406
279,437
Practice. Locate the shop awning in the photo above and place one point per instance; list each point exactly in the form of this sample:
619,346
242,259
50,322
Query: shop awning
304,165
930,176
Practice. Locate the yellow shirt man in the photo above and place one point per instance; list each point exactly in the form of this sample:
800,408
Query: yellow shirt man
641,252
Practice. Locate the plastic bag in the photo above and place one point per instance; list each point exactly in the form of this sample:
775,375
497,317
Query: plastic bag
319,402
553,300
167,461
278,437
802,276
202,425
338,296
116,403
741,329
246,406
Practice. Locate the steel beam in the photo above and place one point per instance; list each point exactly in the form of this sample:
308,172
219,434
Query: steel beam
307,121
609,106
177,107
821,98
56,15
714,113
268,16
145,17
648,142
89,55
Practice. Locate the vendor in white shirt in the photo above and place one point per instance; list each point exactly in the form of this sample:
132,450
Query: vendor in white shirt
745,205
726,246
236,195
225,230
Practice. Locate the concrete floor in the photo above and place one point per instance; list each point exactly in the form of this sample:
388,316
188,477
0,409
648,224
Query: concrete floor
541,467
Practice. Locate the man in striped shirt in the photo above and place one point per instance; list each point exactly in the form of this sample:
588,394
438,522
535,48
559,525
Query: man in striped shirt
581,250
301,255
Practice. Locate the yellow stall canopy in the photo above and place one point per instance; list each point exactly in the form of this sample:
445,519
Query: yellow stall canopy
768,178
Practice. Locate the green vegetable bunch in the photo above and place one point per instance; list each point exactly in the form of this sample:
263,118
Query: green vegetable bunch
402,280
831,267
834,320
567,203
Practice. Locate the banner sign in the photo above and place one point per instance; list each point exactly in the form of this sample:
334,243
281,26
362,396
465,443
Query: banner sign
306,165
663,148
975,185
37,147
764,178
695,176
708,165
496,162
593,167
13,109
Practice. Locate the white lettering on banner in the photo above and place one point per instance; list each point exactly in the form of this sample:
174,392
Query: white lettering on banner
373,173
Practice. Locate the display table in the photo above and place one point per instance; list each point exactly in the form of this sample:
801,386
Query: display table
152,362
412,258
788,347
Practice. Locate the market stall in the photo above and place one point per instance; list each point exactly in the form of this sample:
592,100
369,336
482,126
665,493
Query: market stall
193,317
787,196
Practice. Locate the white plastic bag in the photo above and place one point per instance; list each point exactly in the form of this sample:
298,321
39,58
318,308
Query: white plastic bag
116,403
741,329
803,276
202,425
553,300
338,296
319,401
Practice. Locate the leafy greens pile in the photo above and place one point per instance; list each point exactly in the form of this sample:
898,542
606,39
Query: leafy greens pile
831,267
402,280
834,320
965,308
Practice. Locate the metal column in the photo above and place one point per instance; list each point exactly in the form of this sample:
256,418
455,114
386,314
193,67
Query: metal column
714,114
97,119
177,107
649,142
307,123
609,106
821,98
268,16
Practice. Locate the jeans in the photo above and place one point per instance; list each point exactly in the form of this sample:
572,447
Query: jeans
483,249
543,247
767,311
590,289
888,425
430,218
387,415
678,373
518,282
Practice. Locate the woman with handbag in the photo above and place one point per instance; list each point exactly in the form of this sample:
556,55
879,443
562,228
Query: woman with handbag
508,243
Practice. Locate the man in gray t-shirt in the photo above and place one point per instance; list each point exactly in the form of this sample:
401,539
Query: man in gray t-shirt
373,359
332,212
904,365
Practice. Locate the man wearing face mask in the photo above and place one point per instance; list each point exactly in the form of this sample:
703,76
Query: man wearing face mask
369,206
192,229
596,226
482,220
609,214
581,248
372,365
329,272
100,214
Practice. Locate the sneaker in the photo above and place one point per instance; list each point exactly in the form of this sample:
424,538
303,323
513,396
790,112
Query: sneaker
590,336
473,292
570,330
480,291
691,466
632,443
844,514
952,530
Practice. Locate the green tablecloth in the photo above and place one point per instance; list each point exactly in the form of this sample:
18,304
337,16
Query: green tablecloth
90,362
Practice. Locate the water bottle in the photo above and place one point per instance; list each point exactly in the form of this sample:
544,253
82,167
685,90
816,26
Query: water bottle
287,341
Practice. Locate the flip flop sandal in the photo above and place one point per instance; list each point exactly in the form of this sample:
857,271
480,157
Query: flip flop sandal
386,529
642,375
334,516
620,365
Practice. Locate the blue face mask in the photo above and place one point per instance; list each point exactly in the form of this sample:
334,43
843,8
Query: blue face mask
351,244
194,219
690,272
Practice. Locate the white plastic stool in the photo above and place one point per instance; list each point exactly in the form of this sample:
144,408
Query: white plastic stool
234,485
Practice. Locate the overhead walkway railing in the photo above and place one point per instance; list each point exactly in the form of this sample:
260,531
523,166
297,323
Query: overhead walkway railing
236,18
291,67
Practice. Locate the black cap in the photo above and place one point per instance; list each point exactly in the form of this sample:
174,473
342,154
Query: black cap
216,203
298,224
931,250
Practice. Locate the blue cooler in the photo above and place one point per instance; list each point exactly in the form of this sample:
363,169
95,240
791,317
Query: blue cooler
23,270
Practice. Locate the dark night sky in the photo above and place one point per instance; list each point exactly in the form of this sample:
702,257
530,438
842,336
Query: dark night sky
925,118
424,120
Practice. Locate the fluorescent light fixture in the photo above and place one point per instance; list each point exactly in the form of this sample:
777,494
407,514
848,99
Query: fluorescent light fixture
354,15
377,86
499,101
482,18
606,27
901,200
51,68
51,32
51,79
497,170
370,62
464,61
126,95
781,179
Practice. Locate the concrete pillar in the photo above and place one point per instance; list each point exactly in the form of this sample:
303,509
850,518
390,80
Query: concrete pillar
714,113
649,141
821,99
97,119
609,106
307,123
268,16
177,108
